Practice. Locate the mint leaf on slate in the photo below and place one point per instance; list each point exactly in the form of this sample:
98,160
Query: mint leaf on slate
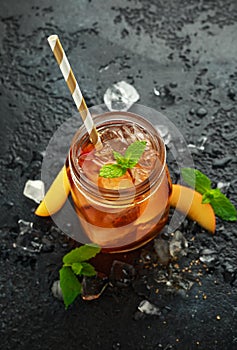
70,285
208,196
196,179
82,253
202,184
77,268
220,204
88,269
74,264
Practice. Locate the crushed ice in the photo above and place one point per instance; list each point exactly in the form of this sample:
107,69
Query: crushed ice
167,252
34,189
93,287
164,133
208,256
161,247
26,241
57,290
24,226
122,273
201,142
148,308
178,245
120,96
175,248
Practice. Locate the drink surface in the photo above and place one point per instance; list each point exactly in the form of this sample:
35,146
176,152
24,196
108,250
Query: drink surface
126,211
118,138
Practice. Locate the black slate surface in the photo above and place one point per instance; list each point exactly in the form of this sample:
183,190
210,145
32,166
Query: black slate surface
187,49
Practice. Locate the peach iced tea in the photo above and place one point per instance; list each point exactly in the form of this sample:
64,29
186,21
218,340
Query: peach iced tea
124,212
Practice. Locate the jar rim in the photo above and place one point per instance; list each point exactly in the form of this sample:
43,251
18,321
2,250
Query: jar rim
81,137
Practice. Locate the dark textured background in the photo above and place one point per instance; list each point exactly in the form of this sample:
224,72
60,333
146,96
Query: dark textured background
187,50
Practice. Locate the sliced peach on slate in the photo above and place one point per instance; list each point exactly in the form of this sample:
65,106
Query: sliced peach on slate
56,195
189,202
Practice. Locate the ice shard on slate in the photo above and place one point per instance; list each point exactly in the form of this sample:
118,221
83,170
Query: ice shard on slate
34,189
120,96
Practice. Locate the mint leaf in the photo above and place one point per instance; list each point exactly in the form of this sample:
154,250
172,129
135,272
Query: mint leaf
206,198
209,195
133,152
74,264
220,204
77,268
118,157
70,285
82,253
196,179
132,155
87,269
122,161
112,171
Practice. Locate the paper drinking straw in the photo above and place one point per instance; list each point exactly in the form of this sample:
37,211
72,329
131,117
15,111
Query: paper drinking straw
73,86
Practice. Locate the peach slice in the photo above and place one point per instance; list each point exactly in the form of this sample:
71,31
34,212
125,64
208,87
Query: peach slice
189,202
56,195
116,183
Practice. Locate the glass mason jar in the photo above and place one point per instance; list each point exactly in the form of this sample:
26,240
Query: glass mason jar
123,213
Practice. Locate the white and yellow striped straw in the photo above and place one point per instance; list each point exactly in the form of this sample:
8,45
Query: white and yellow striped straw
73,86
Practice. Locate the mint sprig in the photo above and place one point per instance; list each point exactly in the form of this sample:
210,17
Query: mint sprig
202,184
112,171
131,157
220,204
70,285
196,179
74,265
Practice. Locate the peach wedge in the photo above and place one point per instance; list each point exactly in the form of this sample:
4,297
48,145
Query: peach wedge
189,202
56,195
